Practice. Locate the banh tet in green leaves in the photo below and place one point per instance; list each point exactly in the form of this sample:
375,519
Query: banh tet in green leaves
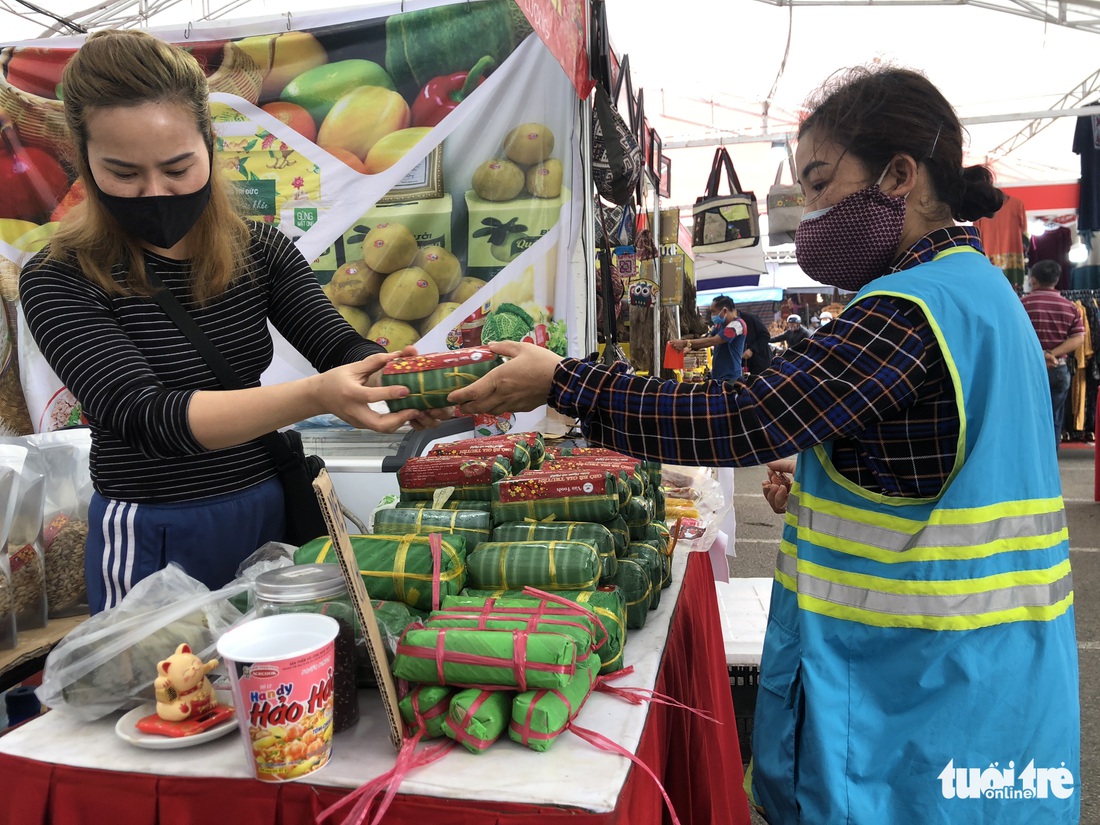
655,533
488,659
547,565
652,561
563,496
620,532
533,440
472,478
633,579
398,568
477,718
427,706
638,512
540,716
652,469
517,453
473,525
605,602
589,532
570,619
433,376
449,504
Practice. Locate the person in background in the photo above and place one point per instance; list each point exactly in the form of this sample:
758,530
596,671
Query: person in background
824,318
924,563
1060,330
757,355
726,337
178,472
794,334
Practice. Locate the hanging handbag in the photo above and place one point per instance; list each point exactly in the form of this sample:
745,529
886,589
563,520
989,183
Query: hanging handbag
617,161
617,225
722,222
785,203
304,519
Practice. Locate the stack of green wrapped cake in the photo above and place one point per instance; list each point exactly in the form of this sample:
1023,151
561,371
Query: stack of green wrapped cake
483,665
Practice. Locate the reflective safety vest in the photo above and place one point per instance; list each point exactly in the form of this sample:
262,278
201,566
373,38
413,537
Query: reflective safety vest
920,661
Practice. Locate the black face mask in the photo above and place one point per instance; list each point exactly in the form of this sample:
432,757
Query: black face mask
159,220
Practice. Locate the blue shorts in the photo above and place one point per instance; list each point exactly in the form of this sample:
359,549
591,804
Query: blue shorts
208,538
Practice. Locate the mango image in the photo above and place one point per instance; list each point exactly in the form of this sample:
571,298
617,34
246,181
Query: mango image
394,335
354,285
498,179
316,90
529,143
544,179
282,57
361,118
441,266
409,294
34,239
439,314
358,318
389,247
467,288
390,149
12,229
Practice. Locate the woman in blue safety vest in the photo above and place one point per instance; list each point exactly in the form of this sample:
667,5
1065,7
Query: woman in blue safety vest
920,662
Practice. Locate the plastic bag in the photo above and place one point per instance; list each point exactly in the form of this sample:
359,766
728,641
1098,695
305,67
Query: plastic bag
23,543
708,503
270,556
109,662
64,456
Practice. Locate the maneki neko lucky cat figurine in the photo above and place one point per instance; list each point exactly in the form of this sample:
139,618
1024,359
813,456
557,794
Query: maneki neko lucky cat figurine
181,686
186,703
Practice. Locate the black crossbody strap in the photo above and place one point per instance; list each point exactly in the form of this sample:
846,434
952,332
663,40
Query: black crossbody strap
276,446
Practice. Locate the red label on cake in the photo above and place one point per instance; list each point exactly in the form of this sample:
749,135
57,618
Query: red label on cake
445,471
538,485
581,452
566,462
475,449
438,360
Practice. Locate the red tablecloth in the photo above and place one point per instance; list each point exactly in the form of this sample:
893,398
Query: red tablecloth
699,763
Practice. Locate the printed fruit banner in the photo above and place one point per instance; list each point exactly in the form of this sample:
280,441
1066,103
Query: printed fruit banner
424,162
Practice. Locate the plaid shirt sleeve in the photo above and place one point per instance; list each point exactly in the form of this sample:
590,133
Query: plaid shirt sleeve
868,365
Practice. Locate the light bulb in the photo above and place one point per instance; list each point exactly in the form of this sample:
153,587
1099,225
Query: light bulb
1035,228
1078,253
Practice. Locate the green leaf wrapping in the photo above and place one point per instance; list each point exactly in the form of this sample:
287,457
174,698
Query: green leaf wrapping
655,533
540,716
473,525
547,565
428,388
651,559
516,614
633,579
638,512
485,658
607,602
472,478
516,453
589,532
658,496
449,504
397,568
570,496
477,718
433,703
620,532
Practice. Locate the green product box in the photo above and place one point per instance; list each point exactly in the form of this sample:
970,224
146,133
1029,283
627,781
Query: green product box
501,230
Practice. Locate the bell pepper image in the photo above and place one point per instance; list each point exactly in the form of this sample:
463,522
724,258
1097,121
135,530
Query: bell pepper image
442,94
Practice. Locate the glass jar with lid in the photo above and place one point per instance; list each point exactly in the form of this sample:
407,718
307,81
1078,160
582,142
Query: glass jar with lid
319,588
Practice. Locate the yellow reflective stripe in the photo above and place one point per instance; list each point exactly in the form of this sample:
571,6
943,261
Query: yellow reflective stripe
938,553
1042,613
941,587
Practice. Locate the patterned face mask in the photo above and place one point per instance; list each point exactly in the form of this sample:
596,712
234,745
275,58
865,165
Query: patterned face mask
852,242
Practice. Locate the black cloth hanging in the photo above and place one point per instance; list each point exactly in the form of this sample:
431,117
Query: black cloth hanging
1086,143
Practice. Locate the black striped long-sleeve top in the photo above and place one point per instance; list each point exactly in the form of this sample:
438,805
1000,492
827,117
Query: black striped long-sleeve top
134,372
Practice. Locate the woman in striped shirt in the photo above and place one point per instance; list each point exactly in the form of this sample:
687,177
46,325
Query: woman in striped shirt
178,472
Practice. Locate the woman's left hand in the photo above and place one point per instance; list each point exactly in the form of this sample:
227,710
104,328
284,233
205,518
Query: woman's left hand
520,384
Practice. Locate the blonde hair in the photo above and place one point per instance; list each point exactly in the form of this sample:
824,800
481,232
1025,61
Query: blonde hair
118,67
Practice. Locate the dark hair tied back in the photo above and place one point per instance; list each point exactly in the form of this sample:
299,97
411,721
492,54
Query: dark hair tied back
978,197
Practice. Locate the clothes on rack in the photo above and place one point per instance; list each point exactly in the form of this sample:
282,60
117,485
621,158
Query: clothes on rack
1052,245
1080,420
1086,143
1003,238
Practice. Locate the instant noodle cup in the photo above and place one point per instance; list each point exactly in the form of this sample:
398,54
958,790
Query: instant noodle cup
281,670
